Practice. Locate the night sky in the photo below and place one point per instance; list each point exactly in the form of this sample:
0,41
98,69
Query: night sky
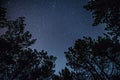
56,24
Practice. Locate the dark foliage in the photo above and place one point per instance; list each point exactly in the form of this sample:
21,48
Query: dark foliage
65,74
17,60
106,11
2,16
88,59
95,59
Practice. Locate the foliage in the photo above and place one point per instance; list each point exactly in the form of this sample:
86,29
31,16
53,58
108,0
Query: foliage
88,59
17,60
65,74
98,59
2,16
106,11
95,59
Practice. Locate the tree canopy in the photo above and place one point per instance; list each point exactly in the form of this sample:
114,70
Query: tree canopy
106,11
87,59
17,60
98,59
95,59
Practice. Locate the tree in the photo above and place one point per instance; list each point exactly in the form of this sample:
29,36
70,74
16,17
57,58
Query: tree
95,59
98,59
106,11
2,15
17,60
66,74
56,77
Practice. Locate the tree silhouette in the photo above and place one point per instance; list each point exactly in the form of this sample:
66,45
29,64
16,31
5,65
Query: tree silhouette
98,59
66,74
88,59
106,11
2,16
95,59
17,60
56,77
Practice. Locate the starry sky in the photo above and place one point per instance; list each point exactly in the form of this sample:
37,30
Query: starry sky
56,24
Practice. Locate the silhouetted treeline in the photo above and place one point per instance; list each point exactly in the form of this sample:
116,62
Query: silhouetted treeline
17,60
88,59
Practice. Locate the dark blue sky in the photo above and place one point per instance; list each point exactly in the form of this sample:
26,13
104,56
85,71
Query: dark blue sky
56,24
